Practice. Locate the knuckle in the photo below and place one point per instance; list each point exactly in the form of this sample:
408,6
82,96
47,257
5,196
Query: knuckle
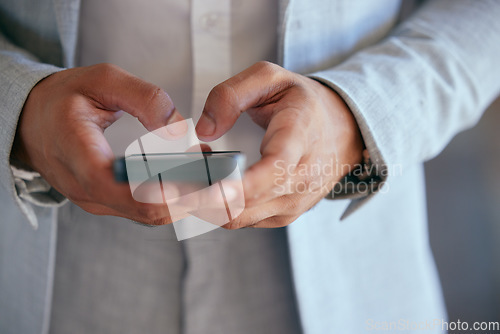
150,223
287,221
104,74
152,215
147,212
156,100
160,221
106,68
280,78
246,219
293,205
233,225
155,94
281,221
222,93
266,66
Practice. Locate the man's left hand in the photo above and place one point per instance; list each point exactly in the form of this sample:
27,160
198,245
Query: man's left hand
312,140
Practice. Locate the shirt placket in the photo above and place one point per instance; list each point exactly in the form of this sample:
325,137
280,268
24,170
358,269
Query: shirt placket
211,48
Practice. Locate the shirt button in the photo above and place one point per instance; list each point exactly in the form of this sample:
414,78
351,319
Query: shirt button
209,21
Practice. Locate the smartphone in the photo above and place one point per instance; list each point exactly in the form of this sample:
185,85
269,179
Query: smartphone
186,167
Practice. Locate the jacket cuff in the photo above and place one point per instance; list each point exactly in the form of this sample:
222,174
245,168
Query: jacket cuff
365,181
19,75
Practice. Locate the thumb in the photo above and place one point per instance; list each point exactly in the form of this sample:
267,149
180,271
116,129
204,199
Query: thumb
115,89
253,87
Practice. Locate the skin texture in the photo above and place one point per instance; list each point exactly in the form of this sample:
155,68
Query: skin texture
60,135
307,126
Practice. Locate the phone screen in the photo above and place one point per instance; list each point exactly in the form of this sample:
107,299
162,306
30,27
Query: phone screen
191,167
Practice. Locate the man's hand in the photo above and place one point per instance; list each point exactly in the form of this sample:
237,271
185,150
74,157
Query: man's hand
60,135
311,140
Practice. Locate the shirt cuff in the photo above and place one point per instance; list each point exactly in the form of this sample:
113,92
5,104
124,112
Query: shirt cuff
32,187
364,179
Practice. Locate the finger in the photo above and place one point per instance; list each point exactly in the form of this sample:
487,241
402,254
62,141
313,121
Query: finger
91,166
293,206
253,215
78,192
275,222
116,89
278,212
289,205
226,102
116,200
101,210
282,149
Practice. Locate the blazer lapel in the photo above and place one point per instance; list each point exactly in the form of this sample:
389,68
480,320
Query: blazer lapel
284,6
67,15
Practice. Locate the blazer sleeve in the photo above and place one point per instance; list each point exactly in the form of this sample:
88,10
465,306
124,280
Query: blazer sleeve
19,73
432,77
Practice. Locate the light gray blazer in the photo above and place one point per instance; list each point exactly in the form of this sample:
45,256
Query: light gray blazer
411,89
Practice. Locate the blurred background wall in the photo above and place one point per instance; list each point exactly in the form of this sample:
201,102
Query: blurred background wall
463,199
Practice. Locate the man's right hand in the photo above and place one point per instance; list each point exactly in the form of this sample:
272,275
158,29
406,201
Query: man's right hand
60,135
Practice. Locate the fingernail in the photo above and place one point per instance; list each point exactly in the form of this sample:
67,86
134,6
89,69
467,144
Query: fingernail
206,125
177,128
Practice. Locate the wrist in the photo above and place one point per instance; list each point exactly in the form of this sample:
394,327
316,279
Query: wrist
19,155
348,138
